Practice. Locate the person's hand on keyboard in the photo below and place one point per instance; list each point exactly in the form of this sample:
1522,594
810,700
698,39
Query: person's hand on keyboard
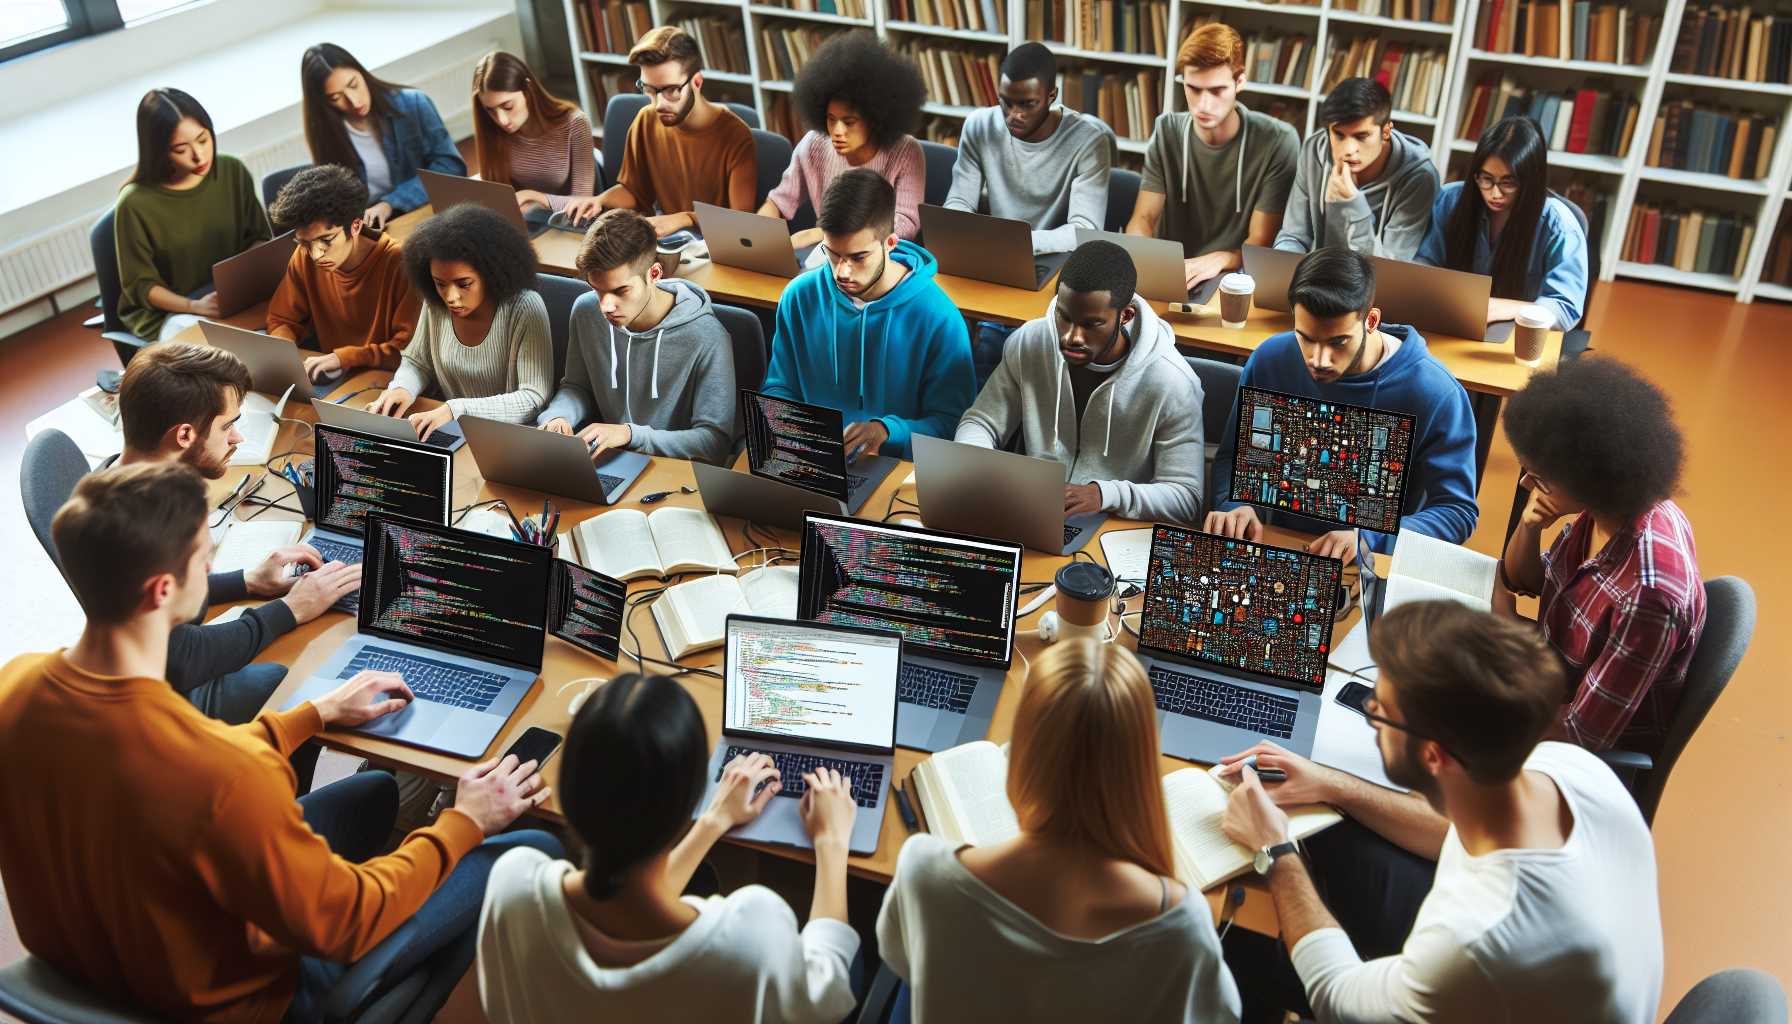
362,699
1305,782
1240,523
496,793
1081,498
748,784
272,576
319,589
392,402
828,809
864,438
425,423
603,438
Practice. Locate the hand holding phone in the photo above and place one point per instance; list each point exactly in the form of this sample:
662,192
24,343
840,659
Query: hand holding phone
535,744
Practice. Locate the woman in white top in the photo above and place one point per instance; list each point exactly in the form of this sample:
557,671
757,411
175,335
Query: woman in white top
611,939
1078,917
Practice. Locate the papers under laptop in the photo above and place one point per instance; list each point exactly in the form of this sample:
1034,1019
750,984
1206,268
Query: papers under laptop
802,445
448,437
358,474
462,617
810,696
969,488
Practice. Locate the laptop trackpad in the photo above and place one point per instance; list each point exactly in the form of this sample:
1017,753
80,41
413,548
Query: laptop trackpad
1498,331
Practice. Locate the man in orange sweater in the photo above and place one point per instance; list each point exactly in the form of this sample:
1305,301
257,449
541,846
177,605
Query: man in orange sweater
343,286
157,856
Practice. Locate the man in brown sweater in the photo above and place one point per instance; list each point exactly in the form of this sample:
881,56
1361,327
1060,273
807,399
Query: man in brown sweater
157,857
343,286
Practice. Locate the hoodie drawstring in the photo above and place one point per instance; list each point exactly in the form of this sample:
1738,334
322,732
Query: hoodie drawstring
654,381
1108,433
621,354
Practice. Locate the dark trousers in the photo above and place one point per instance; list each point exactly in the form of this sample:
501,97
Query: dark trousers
236,698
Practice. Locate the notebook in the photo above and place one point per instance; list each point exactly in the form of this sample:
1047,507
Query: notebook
693,616
629,545
1427,569
247,544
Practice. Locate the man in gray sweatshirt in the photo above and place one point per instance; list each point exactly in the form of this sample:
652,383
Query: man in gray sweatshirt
1361,184
1098,385
649,367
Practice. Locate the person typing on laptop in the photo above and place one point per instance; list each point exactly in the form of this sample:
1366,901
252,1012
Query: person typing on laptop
1098,385
1341,350
872,335
649,368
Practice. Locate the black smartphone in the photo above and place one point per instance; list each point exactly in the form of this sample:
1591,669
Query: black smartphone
535,745
1353,696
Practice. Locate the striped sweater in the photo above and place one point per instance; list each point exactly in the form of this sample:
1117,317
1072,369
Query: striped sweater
557,163
815,165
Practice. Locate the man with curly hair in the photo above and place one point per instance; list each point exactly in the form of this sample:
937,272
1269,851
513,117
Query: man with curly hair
1619,592
345,284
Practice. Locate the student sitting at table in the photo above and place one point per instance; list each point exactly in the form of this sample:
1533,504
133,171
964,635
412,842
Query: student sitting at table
1361,183
681,148
871,334
345,284
528,138
611,938
1217,175
158,859
1081,913
1544,903
1505,223
860,102
649,368
385,133
1620,598
482,340
1062,377
186,207
1341,351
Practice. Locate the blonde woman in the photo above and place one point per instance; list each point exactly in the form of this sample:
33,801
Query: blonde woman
1077,918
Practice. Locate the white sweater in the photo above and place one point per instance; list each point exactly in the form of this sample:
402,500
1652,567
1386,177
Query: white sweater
1523,936
743,959
507,376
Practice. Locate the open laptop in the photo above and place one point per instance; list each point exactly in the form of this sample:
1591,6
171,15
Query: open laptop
802,445
1234,636
1158,262
1272,271
585,609
1450,302
757,499
810,695
952,598
737,238
357,474
252,275
966,487
986,248
1345,464
446,190
541,460
448,437
275,364
461,616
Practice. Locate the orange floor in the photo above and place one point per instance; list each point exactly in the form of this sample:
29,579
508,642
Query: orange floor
1725,826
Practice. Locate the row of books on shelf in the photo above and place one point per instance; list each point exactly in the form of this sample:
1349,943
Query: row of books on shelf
722,43
612,26
1593,201
1270,57
1129,102
1593,121
970,15
1692,241
943,130
605,83
785,48
956,76
844,8
1567,29
1118,26
1440,12
1690,137
1413,75
1736,43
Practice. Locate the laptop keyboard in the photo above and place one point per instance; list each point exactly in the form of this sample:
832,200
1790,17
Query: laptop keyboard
431,680
932,687
1198,697
867,778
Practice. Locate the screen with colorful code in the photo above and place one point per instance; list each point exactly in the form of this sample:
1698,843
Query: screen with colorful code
359,473
801,445
587,607
810,682
1342,463
450,588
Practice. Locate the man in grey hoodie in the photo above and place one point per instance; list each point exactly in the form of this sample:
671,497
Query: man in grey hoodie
649,367
1361,184
1098,385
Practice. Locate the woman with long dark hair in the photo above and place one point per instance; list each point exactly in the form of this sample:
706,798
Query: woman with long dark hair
1504,222
530,139
383,132
185,207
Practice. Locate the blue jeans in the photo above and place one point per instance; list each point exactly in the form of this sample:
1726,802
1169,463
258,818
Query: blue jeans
236,699
988,340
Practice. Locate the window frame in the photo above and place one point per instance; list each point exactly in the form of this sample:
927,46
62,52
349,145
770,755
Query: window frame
86,18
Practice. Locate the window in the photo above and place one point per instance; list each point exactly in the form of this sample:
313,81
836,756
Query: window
133,11
30,25
32,18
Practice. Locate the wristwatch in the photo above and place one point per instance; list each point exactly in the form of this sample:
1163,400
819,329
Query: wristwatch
1266,857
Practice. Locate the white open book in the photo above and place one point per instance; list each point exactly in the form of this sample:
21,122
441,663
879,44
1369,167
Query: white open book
693,616
628,545
259,424
1427,569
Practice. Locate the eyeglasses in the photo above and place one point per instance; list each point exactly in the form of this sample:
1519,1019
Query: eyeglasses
1531,481
653,91
1372,710
1488,183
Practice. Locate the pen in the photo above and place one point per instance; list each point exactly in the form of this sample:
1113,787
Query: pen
513,520
902,807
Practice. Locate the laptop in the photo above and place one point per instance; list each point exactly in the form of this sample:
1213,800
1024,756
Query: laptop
951,597
985,248
585,609
461,616
541,460
1345,464
448,437
1450,302
1272,271
1234,636
810,695
757,499
446,190
275,364
1158,262
252,275
737,238
357,474
1016,497
802,445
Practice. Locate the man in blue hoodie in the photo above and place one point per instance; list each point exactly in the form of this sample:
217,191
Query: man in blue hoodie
1340,351
871,334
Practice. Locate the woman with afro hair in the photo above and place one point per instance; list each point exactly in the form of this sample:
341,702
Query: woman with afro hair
860,102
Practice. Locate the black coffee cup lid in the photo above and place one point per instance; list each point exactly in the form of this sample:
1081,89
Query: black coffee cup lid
1085,581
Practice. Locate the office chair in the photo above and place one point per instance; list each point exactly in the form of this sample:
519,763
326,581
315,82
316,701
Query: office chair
771,152
48,472
558,294
1219,392
1729,625
1123,194
276,180
35,993
620,112
939,159
747,337
1577,339
1735,996
105,273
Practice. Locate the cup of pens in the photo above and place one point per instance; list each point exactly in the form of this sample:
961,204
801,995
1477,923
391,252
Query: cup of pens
543,530
303,477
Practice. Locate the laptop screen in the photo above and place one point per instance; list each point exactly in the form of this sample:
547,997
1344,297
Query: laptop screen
455,590
809,682
358,473
948,595
1239,605
1345,464
793,443
586,609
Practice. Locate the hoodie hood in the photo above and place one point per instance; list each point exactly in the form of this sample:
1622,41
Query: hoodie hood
1388,216
1407,157
689,302
1151,337
922,268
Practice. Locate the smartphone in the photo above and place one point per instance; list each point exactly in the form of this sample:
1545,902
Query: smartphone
535,745
1353,696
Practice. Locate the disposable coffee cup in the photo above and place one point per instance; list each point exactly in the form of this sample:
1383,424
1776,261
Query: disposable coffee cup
1529,334
1235,299
1084,591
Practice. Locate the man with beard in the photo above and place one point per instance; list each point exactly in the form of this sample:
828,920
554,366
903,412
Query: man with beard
1544,903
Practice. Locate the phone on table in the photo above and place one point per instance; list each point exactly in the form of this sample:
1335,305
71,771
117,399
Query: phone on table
1354,696
536,744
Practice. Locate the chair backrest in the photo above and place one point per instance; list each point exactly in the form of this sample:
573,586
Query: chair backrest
619,113
748,338
772,153
1219,390
746,113
1736,996
558,294
35,993
48,471
1123,193
1580,217
105,270
276,180
940,159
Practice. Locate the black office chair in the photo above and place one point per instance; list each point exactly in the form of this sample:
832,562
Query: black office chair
1579,339
620,112
939,159
771,152
747,337
276,180
558,294
1123,194
105,273
1729,625
1736,996
1219,391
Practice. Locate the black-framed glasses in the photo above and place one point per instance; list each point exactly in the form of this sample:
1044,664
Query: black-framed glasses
1372,710
655,91
1488,183
1531,481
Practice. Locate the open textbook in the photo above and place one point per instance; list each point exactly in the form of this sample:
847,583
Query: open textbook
627,545
1427,569
963,792
693,616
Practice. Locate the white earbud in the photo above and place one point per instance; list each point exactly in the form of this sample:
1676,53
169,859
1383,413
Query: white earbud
1049,624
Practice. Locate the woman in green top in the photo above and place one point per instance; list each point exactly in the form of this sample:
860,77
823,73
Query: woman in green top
184,209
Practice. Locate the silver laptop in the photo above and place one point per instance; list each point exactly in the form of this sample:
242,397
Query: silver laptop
951,597
359,473
757,499
966,487
747,240
523,456
448,437
803,445
275,364
252,275
1272,271
1450,302
1158,262
460,616
985,248
446,190
1234,636
810,696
